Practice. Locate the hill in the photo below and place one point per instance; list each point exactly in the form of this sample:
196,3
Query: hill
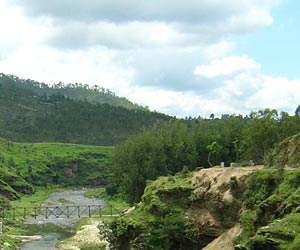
35,112
76,91
24,166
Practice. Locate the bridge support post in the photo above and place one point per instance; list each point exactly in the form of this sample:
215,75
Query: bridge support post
78,209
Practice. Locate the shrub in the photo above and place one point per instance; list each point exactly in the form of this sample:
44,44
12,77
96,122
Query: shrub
262,243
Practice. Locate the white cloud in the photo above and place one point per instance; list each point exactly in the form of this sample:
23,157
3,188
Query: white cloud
133,35
242,87
227,67
203,11
277,92
93,67
134,23
172,56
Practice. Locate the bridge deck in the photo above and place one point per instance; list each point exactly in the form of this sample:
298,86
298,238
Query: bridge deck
71,211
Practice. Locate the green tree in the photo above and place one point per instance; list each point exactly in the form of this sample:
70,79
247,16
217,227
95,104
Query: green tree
260,135
213,149
297,111
164,149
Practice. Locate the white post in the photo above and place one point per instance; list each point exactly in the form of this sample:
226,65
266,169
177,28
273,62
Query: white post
0,228
222,164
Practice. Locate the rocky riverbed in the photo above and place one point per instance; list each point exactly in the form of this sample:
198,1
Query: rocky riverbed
48,232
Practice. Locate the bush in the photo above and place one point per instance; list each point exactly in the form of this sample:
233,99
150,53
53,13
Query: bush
91,246
260,186
233,183
262,243
296,243
111,189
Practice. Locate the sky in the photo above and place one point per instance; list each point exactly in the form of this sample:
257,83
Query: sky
183,58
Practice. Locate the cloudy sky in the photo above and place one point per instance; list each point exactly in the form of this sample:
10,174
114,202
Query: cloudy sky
183,58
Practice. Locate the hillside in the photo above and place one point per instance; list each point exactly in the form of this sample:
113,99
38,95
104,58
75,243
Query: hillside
76,91
24,166
287,153
243,208
28,113
185,212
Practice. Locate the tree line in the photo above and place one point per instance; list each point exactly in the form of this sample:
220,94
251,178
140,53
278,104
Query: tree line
172,146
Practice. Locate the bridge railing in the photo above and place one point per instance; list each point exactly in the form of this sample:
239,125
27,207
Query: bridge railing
68,211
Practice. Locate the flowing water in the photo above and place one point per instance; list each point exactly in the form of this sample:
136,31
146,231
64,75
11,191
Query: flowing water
54,229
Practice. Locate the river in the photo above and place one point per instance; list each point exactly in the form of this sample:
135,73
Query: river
53,229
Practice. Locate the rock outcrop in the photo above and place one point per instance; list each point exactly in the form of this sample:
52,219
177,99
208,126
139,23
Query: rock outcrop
217,194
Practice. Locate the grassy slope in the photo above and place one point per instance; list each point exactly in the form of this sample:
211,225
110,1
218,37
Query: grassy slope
287,153
159,220
271,218
25,165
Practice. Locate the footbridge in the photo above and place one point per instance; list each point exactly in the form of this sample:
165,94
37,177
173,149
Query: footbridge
51,212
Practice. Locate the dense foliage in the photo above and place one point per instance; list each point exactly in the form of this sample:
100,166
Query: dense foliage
271,216
33,112
168,147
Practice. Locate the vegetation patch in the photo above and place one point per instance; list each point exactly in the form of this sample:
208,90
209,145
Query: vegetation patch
25,166
271,219
159,221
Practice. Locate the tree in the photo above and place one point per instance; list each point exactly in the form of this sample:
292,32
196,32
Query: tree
260,135
213,148
297,111
164,149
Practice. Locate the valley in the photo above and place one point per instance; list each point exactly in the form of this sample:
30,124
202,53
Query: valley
228,183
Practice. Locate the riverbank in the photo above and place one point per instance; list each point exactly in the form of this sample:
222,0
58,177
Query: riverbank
90,233
88,237
14,231
70,234
42,233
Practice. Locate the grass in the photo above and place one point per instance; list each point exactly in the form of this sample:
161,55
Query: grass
16,227
115,204
36,156
271,198
160,219
32,171
284,232
40,195
20,155
24,166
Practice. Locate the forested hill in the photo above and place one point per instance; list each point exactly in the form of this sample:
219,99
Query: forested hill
29,114
76,91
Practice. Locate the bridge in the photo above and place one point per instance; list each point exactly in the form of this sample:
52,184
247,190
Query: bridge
47,212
